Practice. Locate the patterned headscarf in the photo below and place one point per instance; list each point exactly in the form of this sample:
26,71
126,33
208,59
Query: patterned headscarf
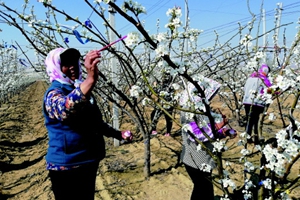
53,67
263,74
209,86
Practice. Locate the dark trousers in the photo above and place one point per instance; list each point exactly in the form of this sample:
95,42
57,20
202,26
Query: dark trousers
203,187
74,184
155,115
252,115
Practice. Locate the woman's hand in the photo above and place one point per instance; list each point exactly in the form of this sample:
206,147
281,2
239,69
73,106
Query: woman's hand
224,132
127,135
91,60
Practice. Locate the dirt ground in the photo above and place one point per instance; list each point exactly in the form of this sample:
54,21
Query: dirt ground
23,144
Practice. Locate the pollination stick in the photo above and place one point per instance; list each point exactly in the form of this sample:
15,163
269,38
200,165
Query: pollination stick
122,38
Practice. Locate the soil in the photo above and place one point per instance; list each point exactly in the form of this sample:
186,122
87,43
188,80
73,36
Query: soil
23,145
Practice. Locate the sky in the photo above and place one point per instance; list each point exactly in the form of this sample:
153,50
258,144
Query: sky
214,15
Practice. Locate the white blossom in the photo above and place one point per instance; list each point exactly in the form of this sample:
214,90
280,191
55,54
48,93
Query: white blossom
225,197
205,167
146,101
228,183
99,1
246,41
267,183
245,152
161,50
45,1
161,37
249,184
133,38
135,91
275,161
272,116
199,148
249,166
176,86
219,146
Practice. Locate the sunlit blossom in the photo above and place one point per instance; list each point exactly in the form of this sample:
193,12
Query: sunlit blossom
133,38
146,101
161,50
275,160
176,86
228,183
272,116
246,41
205,167
245,152
219,146
249,166
225,197
45,1
100,1
267,183
161,37
135,91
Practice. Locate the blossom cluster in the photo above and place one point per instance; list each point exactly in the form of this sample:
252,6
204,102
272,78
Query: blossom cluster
134,6
226,182
132,39
248,185
275,160
246,41
219,146
99,1
135,91
174,22
205,168
45,1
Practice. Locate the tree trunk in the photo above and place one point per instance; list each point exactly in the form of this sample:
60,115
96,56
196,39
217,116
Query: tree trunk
147,155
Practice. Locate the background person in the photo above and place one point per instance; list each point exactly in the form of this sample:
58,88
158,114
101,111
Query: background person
163,86
74,124
253,103
198,162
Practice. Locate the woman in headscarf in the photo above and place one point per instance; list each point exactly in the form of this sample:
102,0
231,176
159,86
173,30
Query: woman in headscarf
74,124
253,102
197,161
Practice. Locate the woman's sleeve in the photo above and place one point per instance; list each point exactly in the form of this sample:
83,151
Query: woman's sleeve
60,106
109,131
267,82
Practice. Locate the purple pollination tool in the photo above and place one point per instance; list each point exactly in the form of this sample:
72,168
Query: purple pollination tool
122,38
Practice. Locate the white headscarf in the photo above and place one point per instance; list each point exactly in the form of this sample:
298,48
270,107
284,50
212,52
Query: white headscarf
53,67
